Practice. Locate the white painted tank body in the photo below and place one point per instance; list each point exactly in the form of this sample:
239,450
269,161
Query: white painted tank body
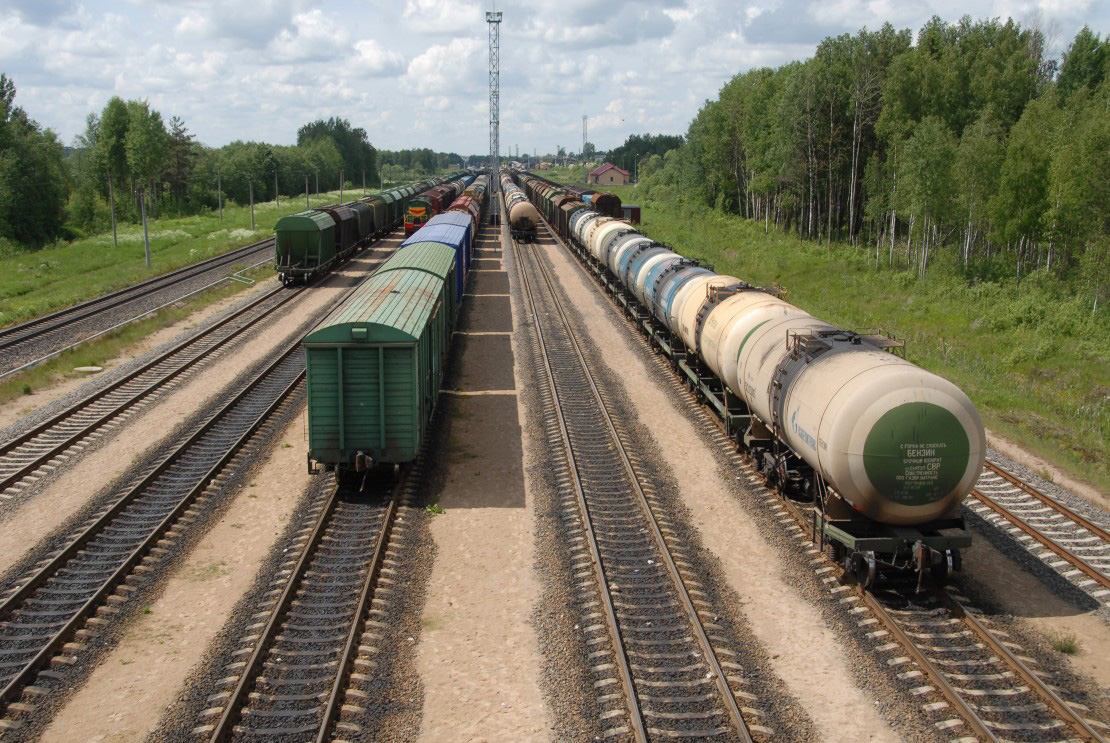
616,255
591,231
900,444
601,233
583,223
524,210
689,302
637,283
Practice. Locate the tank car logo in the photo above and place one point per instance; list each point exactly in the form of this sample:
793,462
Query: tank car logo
803,434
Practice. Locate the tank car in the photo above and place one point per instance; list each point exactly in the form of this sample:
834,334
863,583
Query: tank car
881,450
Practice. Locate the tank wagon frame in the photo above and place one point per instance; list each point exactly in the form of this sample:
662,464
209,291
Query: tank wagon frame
868,549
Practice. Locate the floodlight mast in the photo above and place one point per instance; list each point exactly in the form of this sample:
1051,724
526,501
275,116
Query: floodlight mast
494,21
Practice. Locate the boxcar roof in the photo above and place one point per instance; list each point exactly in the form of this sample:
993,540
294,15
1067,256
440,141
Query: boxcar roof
434,258
394,306
309,220
448,233
450,218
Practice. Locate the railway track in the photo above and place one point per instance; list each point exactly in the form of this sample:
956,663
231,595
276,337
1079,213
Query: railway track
1075,546
46,619
662,668
295,679
25,345
24,459
994,692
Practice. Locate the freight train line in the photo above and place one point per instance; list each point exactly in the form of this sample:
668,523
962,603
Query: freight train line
662,675
50,332
308,645
978,675
1075,546
24,458
46,619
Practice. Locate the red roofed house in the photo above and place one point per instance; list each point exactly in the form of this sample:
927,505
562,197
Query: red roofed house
609,175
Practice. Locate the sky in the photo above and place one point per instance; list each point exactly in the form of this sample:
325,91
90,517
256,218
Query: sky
414,73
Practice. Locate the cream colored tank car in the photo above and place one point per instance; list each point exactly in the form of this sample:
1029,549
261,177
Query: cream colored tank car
691,298
900,444
523,210
583,223
730,322
601,233
592,229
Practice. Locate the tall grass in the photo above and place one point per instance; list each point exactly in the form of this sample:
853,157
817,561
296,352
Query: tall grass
33,283
1034,359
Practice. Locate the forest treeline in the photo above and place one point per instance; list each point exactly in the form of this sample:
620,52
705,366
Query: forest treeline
128,151
969,145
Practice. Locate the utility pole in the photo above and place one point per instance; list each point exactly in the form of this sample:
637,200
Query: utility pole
363,182
276,200
250,189
306,190
112,204
146,232
220,195
317,184
341,185
494,21
585,176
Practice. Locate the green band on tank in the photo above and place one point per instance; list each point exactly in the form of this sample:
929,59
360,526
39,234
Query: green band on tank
747,337
916,453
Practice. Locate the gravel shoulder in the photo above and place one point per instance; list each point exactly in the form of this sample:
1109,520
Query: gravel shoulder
144,673
478,655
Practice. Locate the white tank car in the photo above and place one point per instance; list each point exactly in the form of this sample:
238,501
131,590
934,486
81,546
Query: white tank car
688,303
581,225
637,282
899,444
623,249
597,239
523,211
592,229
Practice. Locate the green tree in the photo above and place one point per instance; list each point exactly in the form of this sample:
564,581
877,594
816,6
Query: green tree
1085,62
33,177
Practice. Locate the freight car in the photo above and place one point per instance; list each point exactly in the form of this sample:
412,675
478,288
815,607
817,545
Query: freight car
375,363
882,450
523,217
312,242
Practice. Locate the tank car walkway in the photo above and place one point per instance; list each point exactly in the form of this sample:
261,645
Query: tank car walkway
478,657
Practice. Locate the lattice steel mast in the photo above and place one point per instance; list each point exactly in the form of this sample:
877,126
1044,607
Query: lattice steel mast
494,21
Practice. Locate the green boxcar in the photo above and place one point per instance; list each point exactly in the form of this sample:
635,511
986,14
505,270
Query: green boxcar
304,245
376,362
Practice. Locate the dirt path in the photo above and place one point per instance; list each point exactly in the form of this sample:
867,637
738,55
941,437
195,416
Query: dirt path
478,656
806,653
124,697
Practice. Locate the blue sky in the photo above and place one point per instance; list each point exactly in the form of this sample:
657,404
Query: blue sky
413,73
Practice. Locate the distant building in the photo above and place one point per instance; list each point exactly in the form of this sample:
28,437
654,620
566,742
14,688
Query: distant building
544,166
608,175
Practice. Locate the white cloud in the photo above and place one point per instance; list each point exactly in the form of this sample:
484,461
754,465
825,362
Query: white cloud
372,59
413,72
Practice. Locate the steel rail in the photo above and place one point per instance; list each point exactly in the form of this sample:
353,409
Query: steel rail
1075,560
1058,705
13,602
1048,501
720,678
703,640
636,719
350,651
127,294
55,449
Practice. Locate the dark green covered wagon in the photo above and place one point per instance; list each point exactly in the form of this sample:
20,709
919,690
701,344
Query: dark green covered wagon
305,245
376,362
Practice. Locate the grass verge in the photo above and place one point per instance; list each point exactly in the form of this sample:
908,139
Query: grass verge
1033,359
99,351
34,283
